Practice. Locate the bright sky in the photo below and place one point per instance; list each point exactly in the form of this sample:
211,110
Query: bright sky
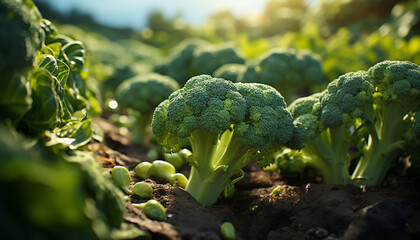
133,13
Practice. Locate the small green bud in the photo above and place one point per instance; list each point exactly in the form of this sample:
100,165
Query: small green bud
185,153
178,180
162,169
277,191
142,189
121,178
142,170
152,209
228,231
174,159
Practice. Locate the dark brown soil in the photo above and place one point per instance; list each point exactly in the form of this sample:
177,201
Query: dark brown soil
303,211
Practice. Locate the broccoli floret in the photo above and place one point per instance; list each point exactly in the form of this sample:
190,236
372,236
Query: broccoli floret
397,96
142,94
227,124
289,71
20,38
231,71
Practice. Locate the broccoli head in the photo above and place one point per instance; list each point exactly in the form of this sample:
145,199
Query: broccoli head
322,147
227,124
289,71
142,94
396,98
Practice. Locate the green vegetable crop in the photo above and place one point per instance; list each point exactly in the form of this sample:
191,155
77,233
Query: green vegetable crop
227,124
372,110
396,101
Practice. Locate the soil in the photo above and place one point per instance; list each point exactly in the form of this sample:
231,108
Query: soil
304,210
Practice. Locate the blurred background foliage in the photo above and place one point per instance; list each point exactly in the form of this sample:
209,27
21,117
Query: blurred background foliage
345,35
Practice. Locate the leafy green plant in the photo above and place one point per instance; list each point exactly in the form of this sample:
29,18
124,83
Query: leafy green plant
21,39
53,195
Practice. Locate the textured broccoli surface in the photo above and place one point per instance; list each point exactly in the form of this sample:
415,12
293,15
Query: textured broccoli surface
289,71
143,93
396,100
227,124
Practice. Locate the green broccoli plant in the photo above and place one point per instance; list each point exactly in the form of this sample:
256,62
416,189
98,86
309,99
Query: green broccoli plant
327,122
142,94
396,100
227,124
375,111
291,72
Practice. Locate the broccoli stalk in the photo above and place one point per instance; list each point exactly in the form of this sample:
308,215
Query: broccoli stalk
397,96
215,161
227,124
328,153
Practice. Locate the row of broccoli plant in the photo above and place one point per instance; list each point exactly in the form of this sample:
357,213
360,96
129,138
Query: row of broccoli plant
54,189
366,117
229,124
138,96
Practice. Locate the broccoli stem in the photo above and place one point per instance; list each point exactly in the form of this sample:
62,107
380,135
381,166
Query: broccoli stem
213,162
141,133
328,153
385,145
